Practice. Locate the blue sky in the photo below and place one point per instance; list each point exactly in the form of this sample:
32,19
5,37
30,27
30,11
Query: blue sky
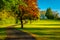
53,4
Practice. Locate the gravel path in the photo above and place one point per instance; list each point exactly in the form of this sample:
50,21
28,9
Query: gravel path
13,34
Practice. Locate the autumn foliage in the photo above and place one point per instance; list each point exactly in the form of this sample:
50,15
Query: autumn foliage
31,9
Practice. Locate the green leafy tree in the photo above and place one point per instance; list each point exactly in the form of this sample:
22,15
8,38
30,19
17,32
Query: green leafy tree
1,5
49,14
14,6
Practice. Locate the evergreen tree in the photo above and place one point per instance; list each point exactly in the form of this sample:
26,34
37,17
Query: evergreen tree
49,14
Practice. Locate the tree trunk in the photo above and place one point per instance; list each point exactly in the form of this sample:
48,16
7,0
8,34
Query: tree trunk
16,20
21,19
30,21
21,23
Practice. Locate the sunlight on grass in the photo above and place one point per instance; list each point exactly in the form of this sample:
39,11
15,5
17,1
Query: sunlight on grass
38,24
46,22
44,33
5,25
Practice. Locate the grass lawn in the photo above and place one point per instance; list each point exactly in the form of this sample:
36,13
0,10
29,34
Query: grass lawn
44,33
46,22
5,25
2,33
38,23
42,24
43,29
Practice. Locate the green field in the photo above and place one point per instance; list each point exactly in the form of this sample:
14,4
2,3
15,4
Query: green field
2,33
37,23
43,29
42,24
41,33
44,33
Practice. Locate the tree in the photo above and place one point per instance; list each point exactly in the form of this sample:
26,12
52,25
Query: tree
20,9
56,16
13,6
1,5
31,10
49,14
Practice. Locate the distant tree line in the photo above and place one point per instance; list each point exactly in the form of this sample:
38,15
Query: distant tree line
49,14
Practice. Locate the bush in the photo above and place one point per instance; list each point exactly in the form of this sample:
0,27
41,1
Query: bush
6,18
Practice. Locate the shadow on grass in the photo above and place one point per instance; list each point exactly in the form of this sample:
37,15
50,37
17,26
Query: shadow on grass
46,31
38,28
32,30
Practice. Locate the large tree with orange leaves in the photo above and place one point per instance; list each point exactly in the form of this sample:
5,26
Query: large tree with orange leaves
29,11
32,8
24,9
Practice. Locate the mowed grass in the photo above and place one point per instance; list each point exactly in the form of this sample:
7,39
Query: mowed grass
42,24
43,29
44,33
2,33
5,25
45,22
37,23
